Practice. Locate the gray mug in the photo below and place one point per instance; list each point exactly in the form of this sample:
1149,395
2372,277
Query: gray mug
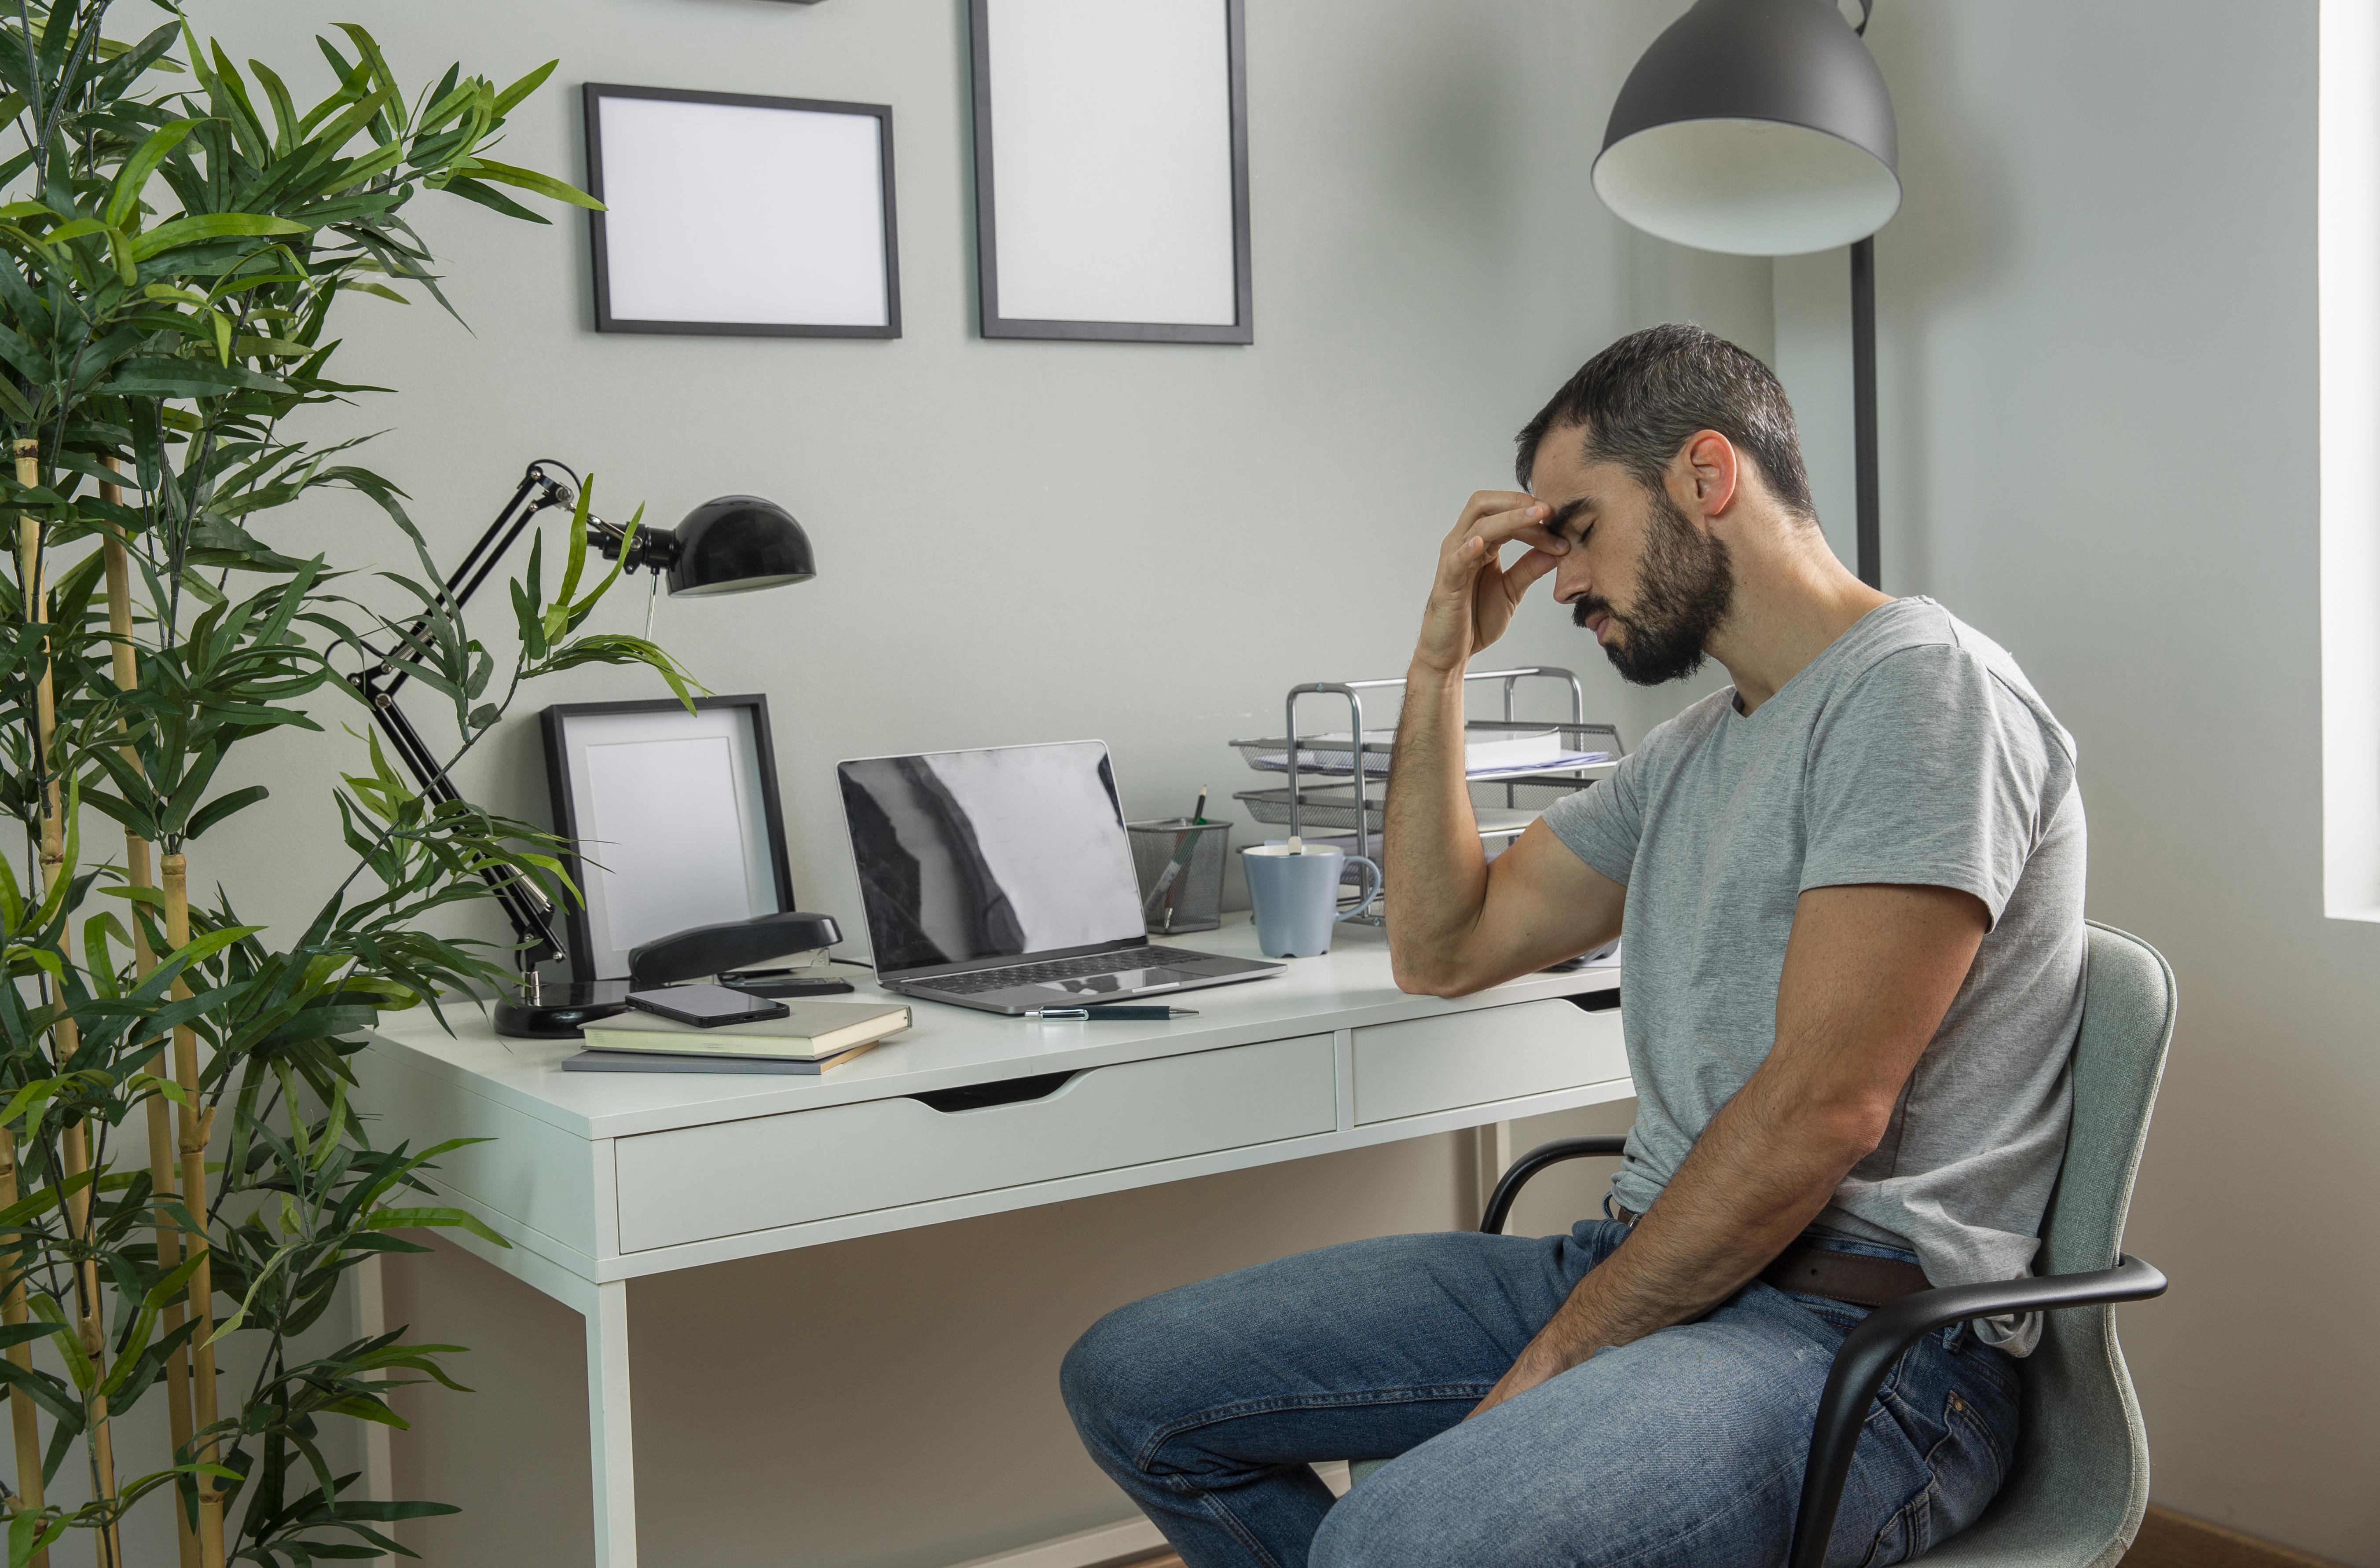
1296,897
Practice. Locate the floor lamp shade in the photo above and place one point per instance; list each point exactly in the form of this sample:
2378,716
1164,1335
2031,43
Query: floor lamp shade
1759,127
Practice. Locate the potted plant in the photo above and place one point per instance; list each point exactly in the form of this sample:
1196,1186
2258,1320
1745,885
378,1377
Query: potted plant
182,1155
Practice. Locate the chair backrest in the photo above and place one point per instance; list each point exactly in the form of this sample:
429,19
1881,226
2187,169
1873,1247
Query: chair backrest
2081,1480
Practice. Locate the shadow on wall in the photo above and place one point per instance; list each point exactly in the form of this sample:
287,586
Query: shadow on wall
1951,237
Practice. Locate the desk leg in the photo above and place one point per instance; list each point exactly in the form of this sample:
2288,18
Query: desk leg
372,1321
613,1460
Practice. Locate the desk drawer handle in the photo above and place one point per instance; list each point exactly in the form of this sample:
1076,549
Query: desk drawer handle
1596,1000
1008,1091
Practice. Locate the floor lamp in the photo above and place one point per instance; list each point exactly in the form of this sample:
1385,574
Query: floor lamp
1762,128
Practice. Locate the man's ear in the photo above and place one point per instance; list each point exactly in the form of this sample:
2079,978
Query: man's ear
1703,475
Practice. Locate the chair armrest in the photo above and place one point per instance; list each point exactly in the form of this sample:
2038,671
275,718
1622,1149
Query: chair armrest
1499,1202
1870,1350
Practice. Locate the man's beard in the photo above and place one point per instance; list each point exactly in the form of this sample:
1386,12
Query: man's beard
1684,585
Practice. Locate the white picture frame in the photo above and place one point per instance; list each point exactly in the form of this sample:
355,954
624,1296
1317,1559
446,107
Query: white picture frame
671,818
1111,170
734,213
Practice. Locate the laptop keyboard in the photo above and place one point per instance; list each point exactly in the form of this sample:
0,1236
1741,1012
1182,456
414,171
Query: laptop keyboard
981,981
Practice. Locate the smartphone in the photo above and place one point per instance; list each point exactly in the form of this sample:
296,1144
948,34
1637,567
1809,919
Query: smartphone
707,1007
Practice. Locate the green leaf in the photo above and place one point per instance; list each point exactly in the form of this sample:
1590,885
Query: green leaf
409,1219
210,225
528,180
124,196
523,88
222,806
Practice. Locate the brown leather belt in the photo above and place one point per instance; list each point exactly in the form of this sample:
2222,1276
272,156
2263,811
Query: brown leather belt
1840,1276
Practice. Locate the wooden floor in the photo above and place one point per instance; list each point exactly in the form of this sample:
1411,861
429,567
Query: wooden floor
2166,1540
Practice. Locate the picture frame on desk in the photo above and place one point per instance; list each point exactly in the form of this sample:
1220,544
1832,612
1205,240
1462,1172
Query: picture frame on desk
1111,170
741,214
680,816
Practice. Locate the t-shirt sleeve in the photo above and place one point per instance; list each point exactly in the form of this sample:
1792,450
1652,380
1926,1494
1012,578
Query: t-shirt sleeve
1602,823
1928,771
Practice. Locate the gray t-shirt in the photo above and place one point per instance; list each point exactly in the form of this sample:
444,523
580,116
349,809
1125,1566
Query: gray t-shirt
1912,751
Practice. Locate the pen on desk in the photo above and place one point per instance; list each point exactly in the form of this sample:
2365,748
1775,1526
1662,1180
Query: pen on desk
1088,1013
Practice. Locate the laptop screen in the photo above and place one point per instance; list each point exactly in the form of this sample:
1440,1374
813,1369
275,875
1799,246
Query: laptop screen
967,855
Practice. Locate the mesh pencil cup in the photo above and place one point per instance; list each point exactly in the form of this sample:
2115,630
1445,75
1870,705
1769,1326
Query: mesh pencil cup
1180,864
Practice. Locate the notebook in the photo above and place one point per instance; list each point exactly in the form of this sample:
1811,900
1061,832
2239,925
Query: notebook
808,1031
688,1061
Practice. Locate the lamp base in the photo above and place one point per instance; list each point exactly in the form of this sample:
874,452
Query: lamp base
555,1010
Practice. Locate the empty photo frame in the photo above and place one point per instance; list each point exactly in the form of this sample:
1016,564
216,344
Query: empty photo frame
728,212
673,821
1111,170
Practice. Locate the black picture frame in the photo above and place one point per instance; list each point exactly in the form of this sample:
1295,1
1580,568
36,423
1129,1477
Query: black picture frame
993,324
554,723
591,97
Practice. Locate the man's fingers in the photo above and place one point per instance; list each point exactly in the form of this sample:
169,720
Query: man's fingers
1489,503
1526,570
1527,525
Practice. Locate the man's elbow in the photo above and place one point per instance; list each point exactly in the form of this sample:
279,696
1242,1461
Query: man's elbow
1849,1129
1435,974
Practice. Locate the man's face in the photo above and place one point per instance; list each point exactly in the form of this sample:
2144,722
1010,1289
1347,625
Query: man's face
1640,574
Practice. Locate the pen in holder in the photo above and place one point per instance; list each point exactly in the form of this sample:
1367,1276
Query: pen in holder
1180,865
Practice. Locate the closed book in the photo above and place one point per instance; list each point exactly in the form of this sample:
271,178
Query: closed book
808,1031
606,1061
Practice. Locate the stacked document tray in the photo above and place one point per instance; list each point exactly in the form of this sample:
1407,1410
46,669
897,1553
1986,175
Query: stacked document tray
1334,784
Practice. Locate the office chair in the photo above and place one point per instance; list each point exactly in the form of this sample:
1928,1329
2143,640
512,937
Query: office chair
2079,1486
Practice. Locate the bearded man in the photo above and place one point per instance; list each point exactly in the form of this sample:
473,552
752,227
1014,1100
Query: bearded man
1851,886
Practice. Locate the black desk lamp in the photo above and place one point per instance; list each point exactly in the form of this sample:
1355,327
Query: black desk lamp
732,544
1763,127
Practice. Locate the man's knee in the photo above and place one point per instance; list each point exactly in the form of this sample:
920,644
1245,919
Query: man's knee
1376,1525
1106,1377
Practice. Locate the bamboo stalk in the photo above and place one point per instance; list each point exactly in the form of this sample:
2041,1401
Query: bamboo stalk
26,1424
195,1126
138,871
28,1430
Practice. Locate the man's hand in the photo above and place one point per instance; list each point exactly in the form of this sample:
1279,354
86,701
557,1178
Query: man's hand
1472,600
1543,1361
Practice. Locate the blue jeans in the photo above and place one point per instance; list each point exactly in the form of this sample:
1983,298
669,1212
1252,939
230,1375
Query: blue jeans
1208,1403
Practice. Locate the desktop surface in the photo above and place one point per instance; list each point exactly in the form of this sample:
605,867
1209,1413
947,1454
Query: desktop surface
946,1046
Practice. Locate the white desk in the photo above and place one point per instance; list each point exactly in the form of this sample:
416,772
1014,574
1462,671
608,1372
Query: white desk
597,1178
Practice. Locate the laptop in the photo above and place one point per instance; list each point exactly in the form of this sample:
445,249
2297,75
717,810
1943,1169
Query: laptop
1001,880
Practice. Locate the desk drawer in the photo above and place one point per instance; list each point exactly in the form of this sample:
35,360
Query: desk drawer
1427,1065
694,1183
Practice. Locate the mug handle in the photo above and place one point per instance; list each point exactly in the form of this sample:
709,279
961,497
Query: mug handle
1370,898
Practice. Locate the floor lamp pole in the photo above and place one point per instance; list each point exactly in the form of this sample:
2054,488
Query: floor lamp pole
1870,503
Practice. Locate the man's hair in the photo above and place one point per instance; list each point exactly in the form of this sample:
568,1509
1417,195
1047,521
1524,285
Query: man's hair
1642,398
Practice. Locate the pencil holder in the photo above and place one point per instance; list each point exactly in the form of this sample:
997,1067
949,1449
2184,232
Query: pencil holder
1180,864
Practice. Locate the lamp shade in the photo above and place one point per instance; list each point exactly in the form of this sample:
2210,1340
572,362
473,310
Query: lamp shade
1759,127
737,543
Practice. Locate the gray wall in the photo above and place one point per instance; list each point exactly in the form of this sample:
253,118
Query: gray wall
2099,352
1018,541
2098,344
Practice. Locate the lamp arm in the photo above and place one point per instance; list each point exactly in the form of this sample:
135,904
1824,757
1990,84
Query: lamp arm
527,907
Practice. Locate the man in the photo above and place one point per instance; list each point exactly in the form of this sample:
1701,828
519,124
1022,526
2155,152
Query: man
1851,885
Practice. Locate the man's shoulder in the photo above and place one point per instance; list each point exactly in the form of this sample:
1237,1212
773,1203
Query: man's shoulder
1917,642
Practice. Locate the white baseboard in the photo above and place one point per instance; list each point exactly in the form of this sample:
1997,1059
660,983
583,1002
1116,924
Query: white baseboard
1110,1545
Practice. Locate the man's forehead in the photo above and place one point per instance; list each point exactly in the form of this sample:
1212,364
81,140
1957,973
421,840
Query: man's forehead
1563,477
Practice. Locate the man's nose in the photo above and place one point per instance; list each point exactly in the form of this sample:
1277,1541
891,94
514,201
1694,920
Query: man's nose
1572,579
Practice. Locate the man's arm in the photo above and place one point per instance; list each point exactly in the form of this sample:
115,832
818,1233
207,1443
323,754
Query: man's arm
1869,973
1460,923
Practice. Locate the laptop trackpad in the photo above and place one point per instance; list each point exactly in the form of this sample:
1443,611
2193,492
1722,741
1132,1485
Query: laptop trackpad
1125,980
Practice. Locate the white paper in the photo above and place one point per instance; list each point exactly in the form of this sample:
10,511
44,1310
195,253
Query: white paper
1111,160
729,213
665,825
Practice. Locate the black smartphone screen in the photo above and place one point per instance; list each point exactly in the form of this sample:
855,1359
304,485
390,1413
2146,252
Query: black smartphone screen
706,1006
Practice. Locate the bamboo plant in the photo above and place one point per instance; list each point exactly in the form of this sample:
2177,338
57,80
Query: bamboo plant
186,1173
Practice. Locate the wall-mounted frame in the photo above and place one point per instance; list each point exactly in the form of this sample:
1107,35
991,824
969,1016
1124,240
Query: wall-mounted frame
738,214
1111,170
680,816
